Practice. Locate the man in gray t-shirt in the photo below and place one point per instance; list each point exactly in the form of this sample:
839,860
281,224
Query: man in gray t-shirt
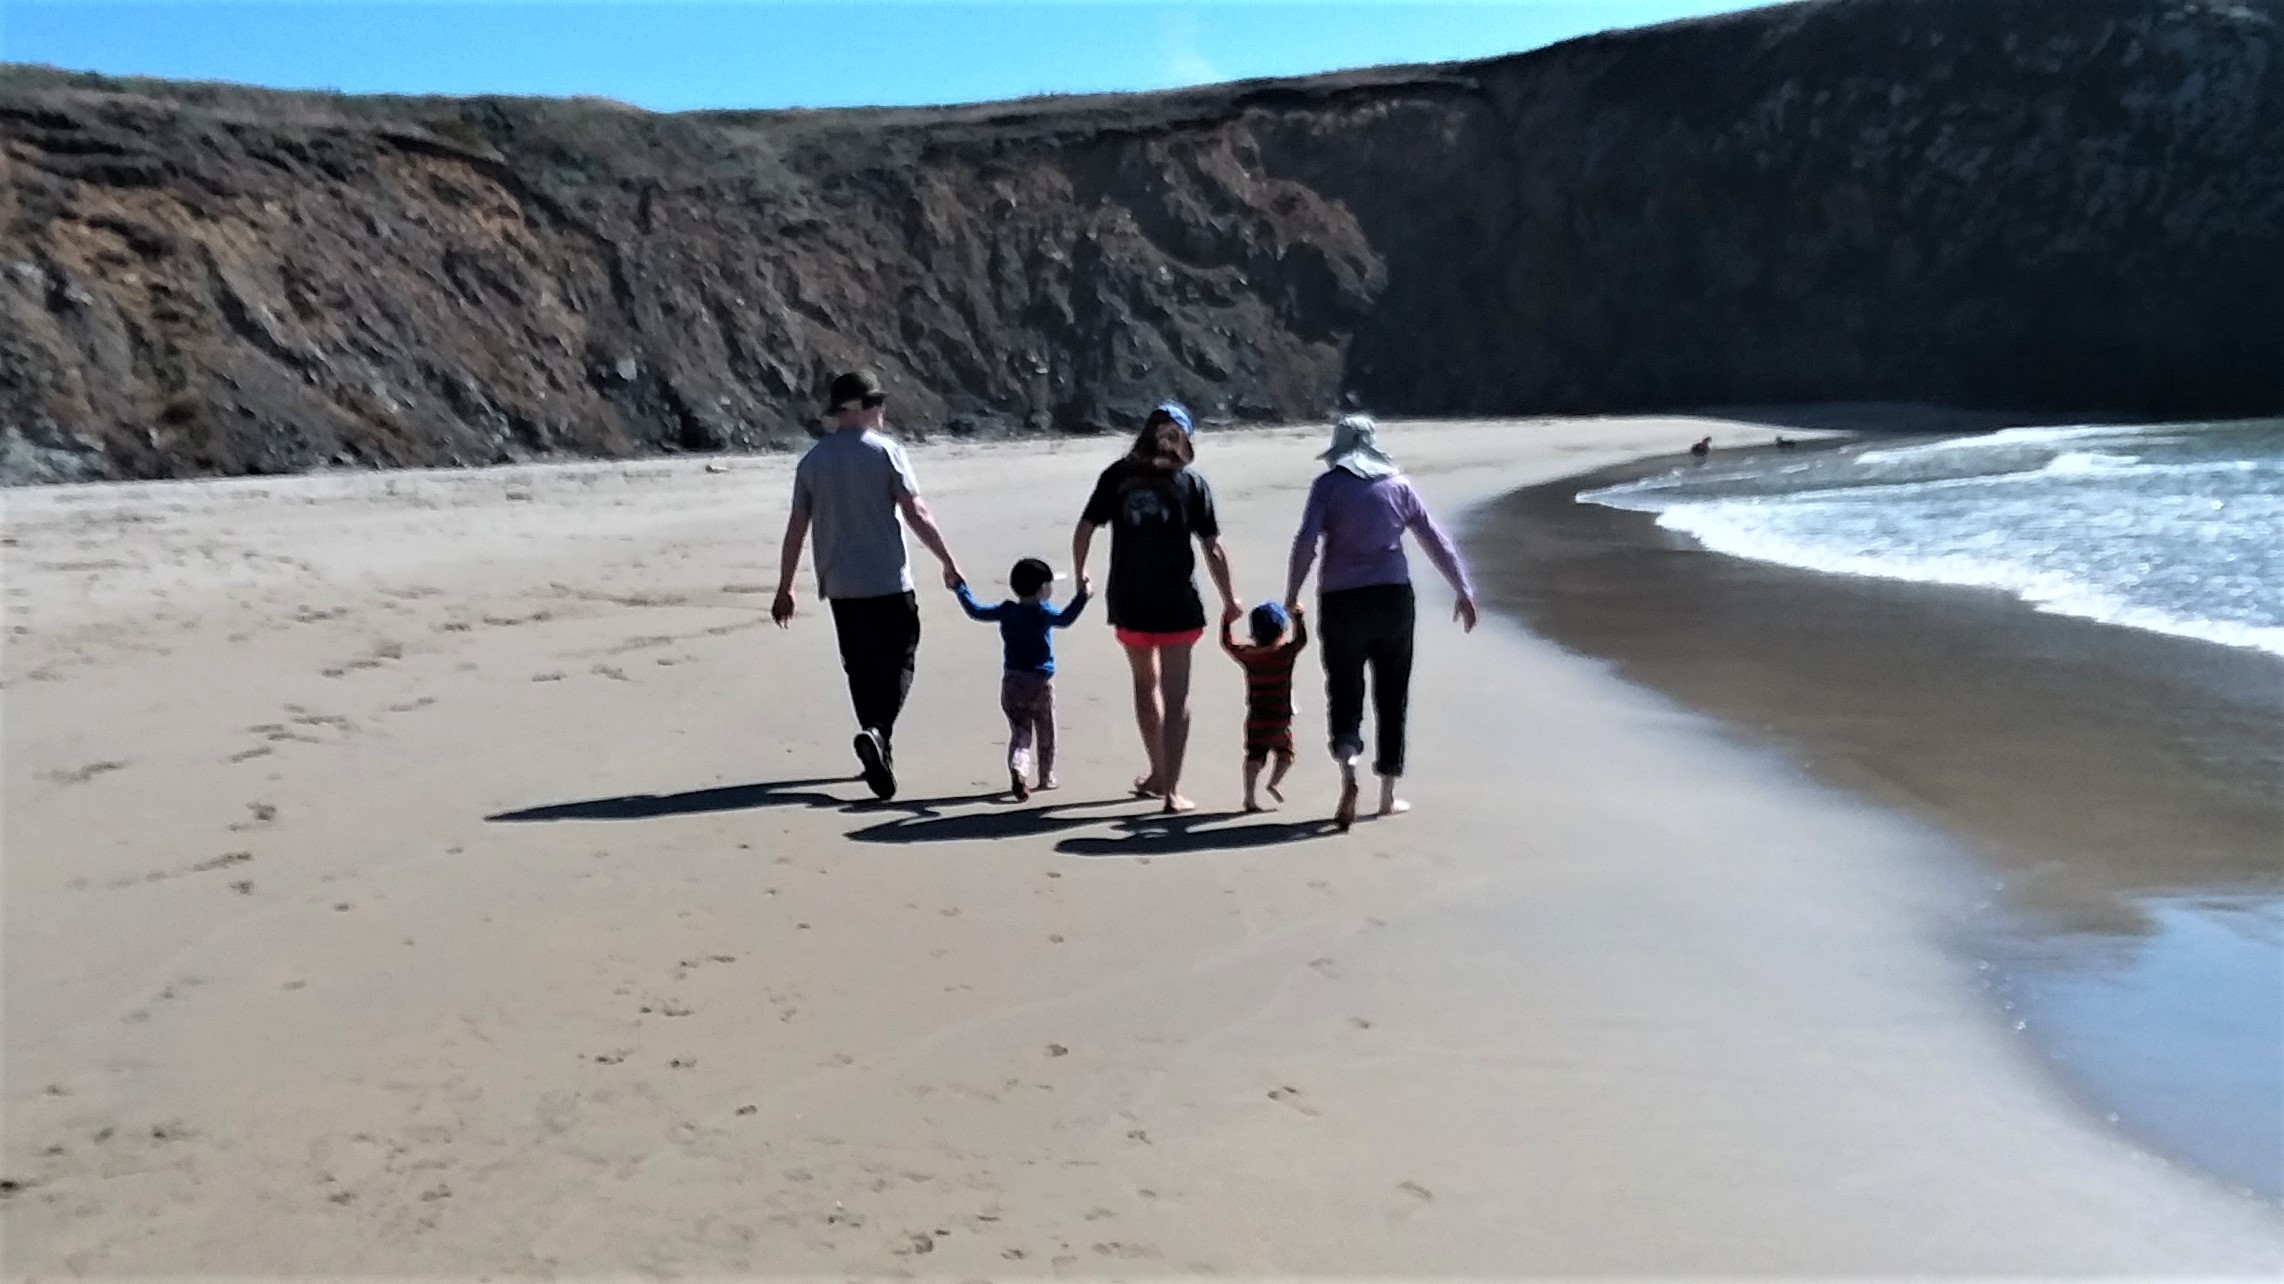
849,489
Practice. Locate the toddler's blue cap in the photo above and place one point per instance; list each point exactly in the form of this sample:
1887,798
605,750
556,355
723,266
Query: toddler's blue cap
1177,412
1269,617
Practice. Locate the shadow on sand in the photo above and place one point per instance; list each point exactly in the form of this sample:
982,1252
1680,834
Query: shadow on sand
1161,835
923,820
775,793
1029,822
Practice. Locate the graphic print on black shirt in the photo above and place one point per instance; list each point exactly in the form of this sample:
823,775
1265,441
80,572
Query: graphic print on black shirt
1153,516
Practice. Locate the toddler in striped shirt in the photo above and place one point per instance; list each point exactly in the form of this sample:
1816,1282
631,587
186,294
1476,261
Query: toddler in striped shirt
1268,693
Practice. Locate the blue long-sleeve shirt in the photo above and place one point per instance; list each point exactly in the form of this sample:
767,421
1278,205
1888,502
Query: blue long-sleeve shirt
1025,628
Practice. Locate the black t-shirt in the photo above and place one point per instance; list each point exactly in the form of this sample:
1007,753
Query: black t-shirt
1153,516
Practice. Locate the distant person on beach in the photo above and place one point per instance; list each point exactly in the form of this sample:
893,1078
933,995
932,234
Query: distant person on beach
849,488
1701,447
1268,664
1027,682
1359,509
1155,504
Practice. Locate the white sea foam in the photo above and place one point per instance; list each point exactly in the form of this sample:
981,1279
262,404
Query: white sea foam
2177,530
2088,461
2003,439
1736,529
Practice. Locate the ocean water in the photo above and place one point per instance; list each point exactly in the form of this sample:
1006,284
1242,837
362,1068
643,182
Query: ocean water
2172,528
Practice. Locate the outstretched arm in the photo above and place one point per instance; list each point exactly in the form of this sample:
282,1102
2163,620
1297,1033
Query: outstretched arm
977,610
1217,565
1069,614
1300,631
1082,542
1228,642
789,565
1439,550
923,524
1304,548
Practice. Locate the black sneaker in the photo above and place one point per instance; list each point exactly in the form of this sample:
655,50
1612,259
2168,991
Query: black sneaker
877,773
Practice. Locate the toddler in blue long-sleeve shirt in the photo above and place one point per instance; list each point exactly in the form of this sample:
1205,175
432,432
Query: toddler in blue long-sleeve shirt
1027,689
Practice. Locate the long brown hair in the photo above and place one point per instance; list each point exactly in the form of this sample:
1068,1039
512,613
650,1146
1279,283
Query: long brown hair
1146,453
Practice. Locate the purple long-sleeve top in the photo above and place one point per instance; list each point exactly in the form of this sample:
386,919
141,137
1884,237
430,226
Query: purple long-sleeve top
1362,525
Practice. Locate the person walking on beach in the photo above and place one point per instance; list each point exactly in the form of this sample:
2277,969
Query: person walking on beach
849,489
1027,685
1359,508
1155,504
1268,665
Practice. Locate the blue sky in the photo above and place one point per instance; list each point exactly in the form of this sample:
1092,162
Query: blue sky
760,53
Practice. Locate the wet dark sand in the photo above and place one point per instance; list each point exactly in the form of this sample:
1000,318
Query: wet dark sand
2125,789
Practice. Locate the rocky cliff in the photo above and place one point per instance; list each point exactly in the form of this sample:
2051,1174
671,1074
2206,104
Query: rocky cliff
2025,204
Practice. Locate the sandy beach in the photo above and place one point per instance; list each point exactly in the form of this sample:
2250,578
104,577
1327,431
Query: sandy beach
453,874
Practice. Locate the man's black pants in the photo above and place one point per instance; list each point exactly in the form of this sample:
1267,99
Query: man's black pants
1360,628
880,645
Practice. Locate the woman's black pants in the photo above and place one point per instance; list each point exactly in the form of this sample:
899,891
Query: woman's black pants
1360,629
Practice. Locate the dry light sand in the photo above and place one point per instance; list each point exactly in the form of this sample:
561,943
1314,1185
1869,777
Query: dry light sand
281,999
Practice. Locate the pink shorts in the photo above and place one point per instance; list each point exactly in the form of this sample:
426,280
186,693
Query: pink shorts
1153,641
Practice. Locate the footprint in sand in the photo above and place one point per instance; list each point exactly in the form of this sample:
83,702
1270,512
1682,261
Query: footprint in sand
259,815
1291,1096
86,773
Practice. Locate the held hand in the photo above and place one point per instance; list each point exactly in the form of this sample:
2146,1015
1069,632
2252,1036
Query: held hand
1086,585
781,610
1231,612
1464,611
952,577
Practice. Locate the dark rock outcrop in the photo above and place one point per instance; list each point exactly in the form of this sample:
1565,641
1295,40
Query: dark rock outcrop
2018,204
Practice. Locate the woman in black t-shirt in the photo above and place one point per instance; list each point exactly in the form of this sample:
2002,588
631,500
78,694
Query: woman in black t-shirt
1155,504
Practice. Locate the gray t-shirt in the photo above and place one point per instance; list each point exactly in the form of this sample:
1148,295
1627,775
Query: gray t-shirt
849,484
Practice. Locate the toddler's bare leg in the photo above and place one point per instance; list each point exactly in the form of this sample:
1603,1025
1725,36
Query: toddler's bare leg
1277,777
1252,775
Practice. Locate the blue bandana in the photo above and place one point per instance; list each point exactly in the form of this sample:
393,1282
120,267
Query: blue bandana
1177,412
1269,619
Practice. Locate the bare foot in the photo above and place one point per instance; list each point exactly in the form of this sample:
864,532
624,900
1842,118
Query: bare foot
1147,787
1275,792
1177,803
1252,806
1016,786
1345,814
1050,783
1394,807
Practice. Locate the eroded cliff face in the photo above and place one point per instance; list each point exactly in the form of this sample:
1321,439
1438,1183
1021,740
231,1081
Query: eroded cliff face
2021,204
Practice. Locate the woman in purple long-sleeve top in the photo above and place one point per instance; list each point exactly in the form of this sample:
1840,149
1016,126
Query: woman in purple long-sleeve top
1360,508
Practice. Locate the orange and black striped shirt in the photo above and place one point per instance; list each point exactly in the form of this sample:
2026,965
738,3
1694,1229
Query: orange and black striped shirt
1268,689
